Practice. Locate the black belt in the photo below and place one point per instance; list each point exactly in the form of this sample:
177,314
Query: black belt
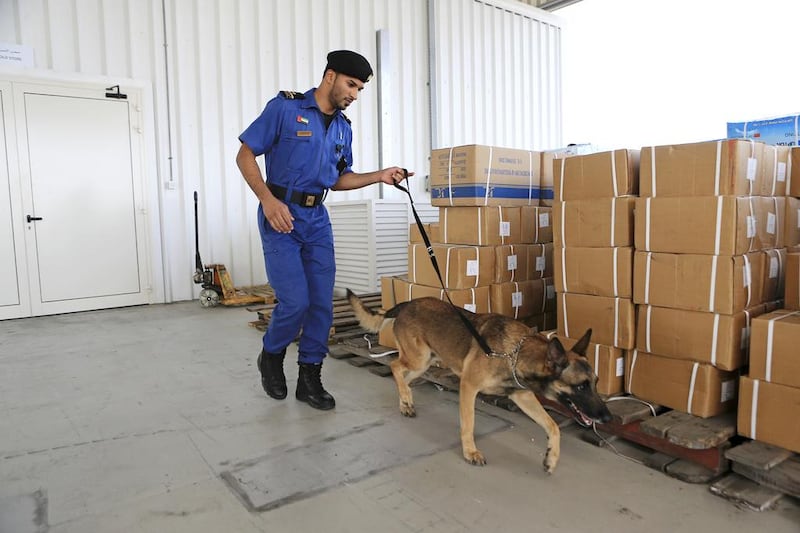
297,197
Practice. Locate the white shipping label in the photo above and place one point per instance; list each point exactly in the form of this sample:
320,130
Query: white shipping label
540,264
516,299
505,228
773,267
550,292
470,307
512,262
752,167
544,220
472,267
747,275
771,223
728,391
781,171
620,366
751,227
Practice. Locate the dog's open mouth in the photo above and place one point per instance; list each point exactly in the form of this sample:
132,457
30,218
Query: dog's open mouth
580,417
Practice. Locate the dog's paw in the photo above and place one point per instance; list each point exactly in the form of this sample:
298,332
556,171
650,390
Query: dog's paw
550,462
475,458
407,409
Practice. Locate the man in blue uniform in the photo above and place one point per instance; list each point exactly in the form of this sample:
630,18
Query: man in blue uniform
306,142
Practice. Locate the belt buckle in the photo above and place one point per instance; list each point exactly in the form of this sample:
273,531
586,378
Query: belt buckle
309,200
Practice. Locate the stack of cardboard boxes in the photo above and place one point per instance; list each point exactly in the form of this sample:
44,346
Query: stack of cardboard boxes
708,255
771,390
593,237
493,242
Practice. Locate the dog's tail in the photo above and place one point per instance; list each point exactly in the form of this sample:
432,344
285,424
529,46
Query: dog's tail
368,319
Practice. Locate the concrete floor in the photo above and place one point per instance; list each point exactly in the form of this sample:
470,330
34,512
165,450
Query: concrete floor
126,420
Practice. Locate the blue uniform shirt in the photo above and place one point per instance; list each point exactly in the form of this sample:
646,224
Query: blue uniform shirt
299,153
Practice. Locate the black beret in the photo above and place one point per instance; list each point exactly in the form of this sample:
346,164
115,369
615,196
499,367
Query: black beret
350,64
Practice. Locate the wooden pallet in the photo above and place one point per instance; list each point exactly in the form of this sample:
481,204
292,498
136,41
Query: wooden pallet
762,475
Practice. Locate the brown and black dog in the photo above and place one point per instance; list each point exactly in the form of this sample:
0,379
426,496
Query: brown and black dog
523,364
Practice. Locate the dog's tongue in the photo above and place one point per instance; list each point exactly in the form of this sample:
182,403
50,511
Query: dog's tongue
584,420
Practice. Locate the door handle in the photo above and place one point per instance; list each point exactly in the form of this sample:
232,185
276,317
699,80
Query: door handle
31,219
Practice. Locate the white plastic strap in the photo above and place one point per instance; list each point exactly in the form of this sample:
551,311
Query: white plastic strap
775,169
450,176
752,156
712,293
752,217
789,167
614,173
516,307
564,268
414,262
647,278
653,169
778,223
717,169
480,227
770,341
530,177
536,226
633,365
514,270
616,321
616,273
718,234
647,328
613,221
754,409
597,359
444,228
647,224
691,387
563,223
478,261
561,187
714,338
447,268
544,295
564,310
748,276
488,176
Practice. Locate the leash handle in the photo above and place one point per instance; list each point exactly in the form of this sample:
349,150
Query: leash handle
478,337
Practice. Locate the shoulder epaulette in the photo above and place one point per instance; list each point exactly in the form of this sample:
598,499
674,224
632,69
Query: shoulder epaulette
292,95
347,119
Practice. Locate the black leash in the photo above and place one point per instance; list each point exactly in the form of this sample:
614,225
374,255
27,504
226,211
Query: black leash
481,341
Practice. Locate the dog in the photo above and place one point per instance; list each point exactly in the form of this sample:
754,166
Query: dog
522,365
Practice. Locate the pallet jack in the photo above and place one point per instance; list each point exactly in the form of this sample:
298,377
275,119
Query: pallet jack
217,284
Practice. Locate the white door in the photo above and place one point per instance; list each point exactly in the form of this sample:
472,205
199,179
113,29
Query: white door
14,298
83,215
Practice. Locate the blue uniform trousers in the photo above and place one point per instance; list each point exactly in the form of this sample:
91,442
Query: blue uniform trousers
301,269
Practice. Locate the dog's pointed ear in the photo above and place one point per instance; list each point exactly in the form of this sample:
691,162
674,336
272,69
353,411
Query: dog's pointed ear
583,343
556,355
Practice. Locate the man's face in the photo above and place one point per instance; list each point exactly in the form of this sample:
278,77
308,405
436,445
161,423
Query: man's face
345,90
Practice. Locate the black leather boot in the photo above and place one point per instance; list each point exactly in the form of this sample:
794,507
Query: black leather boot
309,387
272,377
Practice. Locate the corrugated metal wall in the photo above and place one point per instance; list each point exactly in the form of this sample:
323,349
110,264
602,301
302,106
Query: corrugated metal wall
497,75
213,64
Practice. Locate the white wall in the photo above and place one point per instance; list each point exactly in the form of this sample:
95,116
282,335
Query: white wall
643,72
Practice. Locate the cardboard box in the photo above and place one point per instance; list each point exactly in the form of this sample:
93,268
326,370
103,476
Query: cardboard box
612,320
511,263
774,130
765,413
792,226
775,348
484,175
432,229
484,226
547,158
388,296
599,175
596,271
793,181
773,274
728,167
719,340
540,260
537,224
461,266
386,336
522,299
473,299
717,284
541,321
792,284
691,387
722,225
594,223
774,169
607,362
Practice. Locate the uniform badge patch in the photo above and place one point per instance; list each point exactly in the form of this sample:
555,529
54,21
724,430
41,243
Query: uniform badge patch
302,120
304,133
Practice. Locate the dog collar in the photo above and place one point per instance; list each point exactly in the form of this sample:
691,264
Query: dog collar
512,357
